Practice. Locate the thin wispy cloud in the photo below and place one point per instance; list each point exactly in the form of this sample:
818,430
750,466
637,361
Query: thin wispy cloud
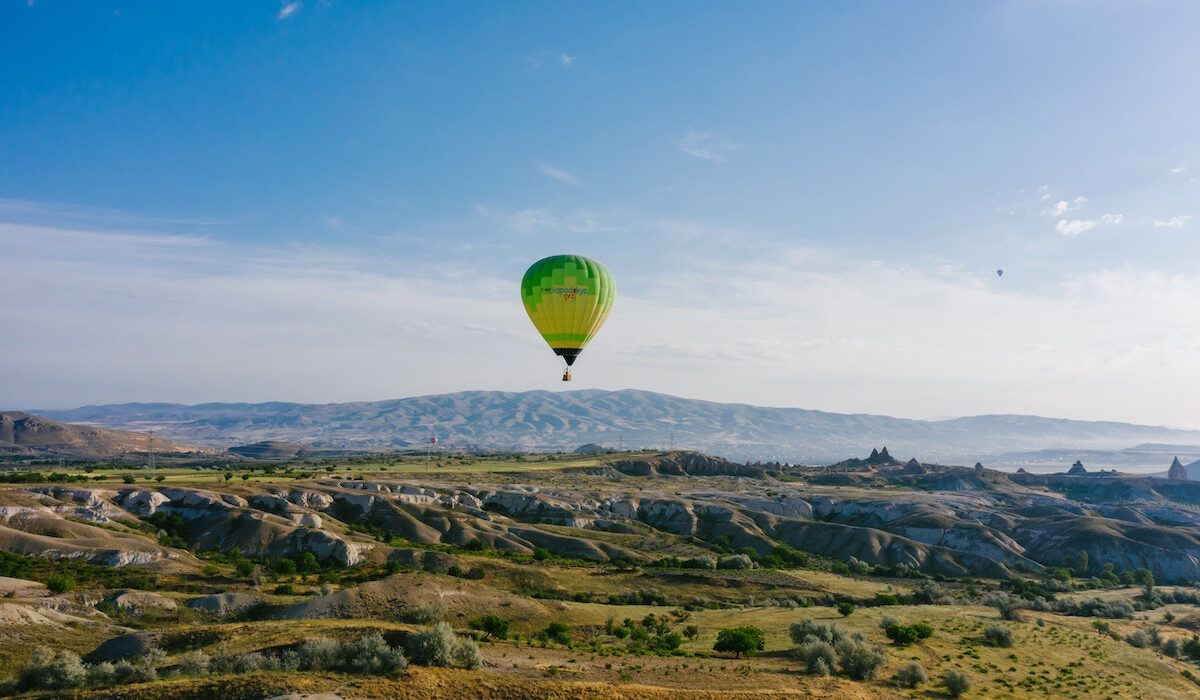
1179,170
41,212
1074,227
565,59
289,9
558,174
707,145
1063,207
1173,222
538,220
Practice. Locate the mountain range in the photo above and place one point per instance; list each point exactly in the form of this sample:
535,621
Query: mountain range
546,421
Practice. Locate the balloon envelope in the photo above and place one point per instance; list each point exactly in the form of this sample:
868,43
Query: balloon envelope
567,297
999,273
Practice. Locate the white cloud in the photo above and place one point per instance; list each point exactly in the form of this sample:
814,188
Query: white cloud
1112,219
1045,192
183,318
1173,222
1063,206
1074,227
1178,169
565,59
707,145
558,174
289,9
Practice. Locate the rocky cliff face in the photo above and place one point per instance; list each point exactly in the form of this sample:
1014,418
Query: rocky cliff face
1177,471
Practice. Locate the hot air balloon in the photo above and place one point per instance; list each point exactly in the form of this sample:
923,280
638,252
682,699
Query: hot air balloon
999,273
567,297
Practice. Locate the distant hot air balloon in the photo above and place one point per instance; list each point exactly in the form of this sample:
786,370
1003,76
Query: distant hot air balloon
567,297
433,440
999,273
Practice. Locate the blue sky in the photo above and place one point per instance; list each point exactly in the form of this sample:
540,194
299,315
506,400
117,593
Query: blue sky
804,204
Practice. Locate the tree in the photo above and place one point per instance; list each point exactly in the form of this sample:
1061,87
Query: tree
740,640
491,626
845,608
559,632
691,631
1101,626
1081,562
901,635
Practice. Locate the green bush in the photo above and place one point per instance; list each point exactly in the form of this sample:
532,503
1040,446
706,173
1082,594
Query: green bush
60,583
491,626
559,632
845,608
998,635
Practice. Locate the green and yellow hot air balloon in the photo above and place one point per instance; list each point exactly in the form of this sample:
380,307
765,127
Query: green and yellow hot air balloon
567,297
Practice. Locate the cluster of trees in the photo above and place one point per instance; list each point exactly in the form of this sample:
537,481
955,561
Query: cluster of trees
370,654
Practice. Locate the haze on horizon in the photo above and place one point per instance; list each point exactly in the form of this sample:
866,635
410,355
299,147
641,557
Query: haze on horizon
802,205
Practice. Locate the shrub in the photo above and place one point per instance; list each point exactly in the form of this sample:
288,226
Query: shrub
800,632
491,626
859,659
47,670
845,608
998,635
735,561
371,654
439,646
691,631
60,583
740,640
901,635
319,654
541,554
911,675
194,663
101,673
886,599
820,658
1171,648
1009,606
956,683
1137,639
466,654
285,589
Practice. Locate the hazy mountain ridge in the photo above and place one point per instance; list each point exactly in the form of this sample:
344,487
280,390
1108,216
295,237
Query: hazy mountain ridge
544,420
29,435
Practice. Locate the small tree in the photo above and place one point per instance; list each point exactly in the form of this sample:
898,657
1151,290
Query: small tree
845,608
956,683
491,626
911,675
1101,626
691,631
740,640
559,632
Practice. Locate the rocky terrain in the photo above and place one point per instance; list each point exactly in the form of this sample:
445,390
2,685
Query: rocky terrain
561,421
949,520
194,559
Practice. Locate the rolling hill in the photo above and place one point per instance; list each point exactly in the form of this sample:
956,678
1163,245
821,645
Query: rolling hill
28,435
